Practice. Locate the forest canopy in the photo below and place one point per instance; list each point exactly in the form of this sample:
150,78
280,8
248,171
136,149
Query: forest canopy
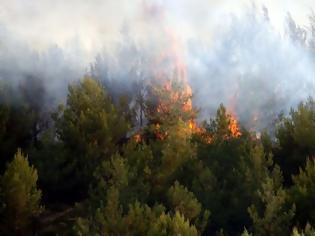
97,166
143,147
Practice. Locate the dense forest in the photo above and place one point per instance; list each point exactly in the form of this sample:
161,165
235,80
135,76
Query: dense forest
96,166
133,153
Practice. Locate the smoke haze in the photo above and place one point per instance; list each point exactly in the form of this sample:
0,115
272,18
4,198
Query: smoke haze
235,53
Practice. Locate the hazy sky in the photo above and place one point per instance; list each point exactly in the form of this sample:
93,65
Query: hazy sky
93,24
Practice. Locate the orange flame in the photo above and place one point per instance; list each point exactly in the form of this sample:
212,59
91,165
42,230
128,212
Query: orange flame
234,127
138,138
169,66
200,132
191,124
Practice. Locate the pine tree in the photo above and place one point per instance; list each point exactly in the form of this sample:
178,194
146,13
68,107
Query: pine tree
105,220
89,122
308,231
140,217
140,161
111,173
246,233
183,201
303,193
295,139
90,128
273,216
20,195
173,153
227,174
172,225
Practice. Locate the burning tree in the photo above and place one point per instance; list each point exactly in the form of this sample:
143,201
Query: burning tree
169,102
224,125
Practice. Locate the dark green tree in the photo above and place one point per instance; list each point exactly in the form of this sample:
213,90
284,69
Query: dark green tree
90,128
172,225
308,231
295,139
226,175
302,193
272,216
22,116
179,199
172,153
21,197
141,168
183,201
111,173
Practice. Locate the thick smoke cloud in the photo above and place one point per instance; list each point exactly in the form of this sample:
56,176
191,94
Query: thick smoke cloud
239,59
54,68
251,68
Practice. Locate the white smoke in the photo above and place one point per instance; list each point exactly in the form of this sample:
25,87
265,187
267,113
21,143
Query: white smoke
55,67
239,59
251,68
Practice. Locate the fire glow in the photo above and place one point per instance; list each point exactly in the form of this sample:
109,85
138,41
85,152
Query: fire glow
170,65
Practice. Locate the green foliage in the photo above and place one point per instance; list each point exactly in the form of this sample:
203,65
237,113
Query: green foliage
183,201
139,220
129,173
21,197
303,193
273,216
163,178
89,127
230,171
140,161
111,174
140,217
174,152
246,233
266,142
219,126
105,220
296,137
89,122
168,225
256,168
55,170
308,231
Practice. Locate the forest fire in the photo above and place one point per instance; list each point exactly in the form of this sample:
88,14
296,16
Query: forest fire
234,127
200,131
156,117
172,94
170,75
208,137
138,138
178,92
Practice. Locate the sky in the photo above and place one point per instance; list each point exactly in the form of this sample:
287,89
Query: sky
95,24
